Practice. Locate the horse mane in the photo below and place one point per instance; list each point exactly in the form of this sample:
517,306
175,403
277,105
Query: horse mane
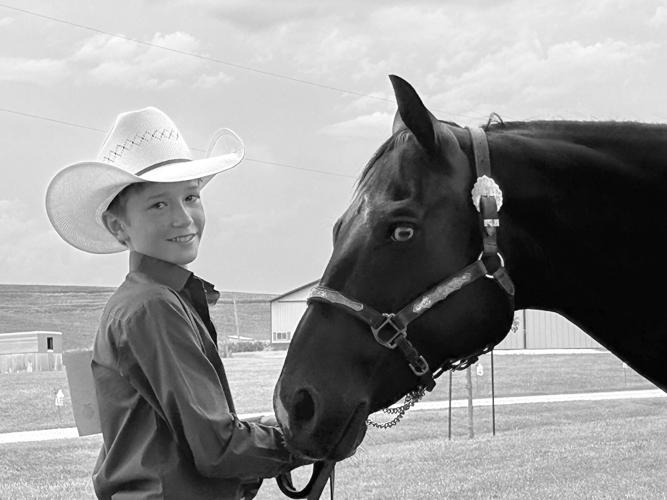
583,130
570,127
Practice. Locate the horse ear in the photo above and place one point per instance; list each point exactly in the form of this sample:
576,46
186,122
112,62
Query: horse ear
413,114
398,123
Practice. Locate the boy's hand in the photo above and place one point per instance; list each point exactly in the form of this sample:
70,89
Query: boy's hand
268,420
264,420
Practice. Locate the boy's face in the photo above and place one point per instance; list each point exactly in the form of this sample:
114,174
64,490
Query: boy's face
165,220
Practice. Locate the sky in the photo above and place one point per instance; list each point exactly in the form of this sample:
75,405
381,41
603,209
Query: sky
305,84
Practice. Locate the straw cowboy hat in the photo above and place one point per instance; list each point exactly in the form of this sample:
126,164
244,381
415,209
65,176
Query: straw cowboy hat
142,146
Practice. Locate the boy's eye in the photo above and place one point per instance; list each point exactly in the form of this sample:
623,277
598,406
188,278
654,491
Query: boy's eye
159,204
192,197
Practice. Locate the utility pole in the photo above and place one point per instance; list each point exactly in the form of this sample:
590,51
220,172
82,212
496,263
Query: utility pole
236,319
471,432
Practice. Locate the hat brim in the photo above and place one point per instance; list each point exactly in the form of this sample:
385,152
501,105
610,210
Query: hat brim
78,195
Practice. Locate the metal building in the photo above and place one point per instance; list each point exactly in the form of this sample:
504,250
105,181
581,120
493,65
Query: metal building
286,311
532,329
30,351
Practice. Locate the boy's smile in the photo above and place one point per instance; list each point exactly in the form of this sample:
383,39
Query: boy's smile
165,220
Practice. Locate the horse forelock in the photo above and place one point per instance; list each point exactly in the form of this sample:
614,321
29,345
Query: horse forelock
369,175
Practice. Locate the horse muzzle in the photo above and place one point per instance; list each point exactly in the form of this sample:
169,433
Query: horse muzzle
319,428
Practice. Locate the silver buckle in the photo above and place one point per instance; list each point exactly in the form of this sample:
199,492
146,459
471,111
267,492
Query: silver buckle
422,367
486,186
392,342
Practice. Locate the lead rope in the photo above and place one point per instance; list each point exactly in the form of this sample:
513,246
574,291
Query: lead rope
323,471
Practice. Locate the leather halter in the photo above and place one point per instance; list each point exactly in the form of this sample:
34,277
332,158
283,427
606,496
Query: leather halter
487,198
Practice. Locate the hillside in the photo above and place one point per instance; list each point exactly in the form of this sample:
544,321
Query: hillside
75,311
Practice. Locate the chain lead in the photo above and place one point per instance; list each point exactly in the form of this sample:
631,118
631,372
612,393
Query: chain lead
411,398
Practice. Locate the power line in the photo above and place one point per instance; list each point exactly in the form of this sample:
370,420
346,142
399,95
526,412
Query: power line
60,122
193,54
212,59
254,160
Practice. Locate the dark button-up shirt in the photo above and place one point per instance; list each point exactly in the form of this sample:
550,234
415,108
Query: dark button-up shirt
166,412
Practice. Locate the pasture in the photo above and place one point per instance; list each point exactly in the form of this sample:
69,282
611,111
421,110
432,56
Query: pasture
29,397
593,450
608,449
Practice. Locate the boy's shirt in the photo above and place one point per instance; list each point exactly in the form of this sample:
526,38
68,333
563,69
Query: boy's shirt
165,407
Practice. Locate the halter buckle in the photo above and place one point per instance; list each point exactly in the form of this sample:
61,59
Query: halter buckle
391,342
420,367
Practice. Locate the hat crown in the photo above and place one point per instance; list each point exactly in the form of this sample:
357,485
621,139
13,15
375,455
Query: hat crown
142,139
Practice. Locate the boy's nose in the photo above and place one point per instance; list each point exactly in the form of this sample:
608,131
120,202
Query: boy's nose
181,216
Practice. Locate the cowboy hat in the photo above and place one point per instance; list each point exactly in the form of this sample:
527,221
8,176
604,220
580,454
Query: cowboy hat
142,146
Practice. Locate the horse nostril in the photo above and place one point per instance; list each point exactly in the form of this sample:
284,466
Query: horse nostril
304,407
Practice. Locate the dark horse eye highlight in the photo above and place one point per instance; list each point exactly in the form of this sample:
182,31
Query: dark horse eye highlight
402,233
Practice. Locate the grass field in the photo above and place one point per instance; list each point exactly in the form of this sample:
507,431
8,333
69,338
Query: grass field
597,450
583,450
75,311
29,397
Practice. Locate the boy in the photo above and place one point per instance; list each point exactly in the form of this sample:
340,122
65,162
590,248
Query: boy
168,420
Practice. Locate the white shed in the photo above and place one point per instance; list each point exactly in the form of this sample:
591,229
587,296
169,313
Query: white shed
286,311
532,329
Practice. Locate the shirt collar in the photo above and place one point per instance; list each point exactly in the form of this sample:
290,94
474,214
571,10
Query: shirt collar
171,275
168,274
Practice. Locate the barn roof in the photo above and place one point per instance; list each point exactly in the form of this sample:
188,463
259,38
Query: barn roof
29,333
307,285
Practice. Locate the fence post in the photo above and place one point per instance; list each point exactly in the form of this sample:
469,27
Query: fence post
449,433
471,432
493,398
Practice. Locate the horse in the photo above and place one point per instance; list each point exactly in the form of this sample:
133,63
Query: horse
449,231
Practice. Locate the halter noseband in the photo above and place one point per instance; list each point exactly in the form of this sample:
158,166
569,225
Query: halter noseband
487,198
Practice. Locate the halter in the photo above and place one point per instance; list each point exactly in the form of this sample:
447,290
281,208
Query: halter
390,330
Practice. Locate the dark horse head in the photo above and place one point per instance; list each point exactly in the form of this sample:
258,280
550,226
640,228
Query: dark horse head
411,228
419,276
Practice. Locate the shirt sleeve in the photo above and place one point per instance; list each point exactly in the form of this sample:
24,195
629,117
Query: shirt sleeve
161,353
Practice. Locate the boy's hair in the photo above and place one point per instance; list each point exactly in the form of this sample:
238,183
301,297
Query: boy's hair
117,205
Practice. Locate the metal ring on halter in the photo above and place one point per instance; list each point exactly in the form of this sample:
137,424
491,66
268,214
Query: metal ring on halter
500,258
398,332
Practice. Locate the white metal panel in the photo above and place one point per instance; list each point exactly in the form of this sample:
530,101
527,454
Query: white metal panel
15,344
515,337
284,318
548,330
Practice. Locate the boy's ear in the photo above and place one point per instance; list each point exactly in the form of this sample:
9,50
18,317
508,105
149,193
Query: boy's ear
115,226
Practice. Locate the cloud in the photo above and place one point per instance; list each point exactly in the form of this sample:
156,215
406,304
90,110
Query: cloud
107,60
373,125
659,19
32,252
210,81
124,63
259,15
38,71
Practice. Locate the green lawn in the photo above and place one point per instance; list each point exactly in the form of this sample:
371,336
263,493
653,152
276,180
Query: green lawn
29,397
591,450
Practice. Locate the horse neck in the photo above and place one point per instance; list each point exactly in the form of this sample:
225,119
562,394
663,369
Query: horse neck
581,221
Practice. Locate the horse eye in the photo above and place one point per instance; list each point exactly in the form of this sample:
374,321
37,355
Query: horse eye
402,233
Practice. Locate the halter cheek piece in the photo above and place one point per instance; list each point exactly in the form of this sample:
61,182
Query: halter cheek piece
391,329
